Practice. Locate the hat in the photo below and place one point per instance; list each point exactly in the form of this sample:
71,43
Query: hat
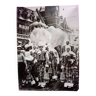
67,47
19,46
19,42
28,45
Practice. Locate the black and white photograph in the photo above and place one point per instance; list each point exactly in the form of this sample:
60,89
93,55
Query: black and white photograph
48,48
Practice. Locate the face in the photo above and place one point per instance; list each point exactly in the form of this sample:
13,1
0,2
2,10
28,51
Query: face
18,52
41,47
67,42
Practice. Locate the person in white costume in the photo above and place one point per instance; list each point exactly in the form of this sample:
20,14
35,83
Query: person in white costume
68,59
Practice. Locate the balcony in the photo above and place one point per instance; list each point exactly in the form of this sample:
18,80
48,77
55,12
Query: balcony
25,20
23,36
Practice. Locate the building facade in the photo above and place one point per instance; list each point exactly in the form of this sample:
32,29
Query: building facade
24,18
52,16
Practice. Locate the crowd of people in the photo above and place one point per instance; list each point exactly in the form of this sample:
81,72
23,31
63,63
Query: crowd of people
38,65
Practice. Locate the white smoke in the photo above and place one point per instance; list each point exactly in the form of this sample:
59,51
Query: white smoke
52,36
40,35
59,37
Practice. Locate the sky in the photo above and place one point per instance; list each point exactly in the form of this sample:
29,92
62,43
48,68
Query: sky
71,15
70,12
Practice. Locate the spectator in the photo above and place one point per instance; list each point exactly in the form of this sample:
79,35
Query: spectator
21,64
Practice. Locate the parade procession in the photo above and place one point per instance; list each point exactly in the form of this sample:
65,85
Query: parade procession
48,55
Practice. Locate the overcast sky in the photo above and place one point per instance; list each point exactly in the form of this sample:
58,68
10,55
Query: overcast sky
68,11
71,14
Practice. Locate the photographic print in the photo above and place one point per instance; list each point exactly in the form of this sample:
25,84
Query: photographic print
48,48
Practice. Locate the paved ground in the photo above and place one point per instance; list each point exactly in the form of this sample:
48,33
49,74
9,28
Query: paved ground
52,86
